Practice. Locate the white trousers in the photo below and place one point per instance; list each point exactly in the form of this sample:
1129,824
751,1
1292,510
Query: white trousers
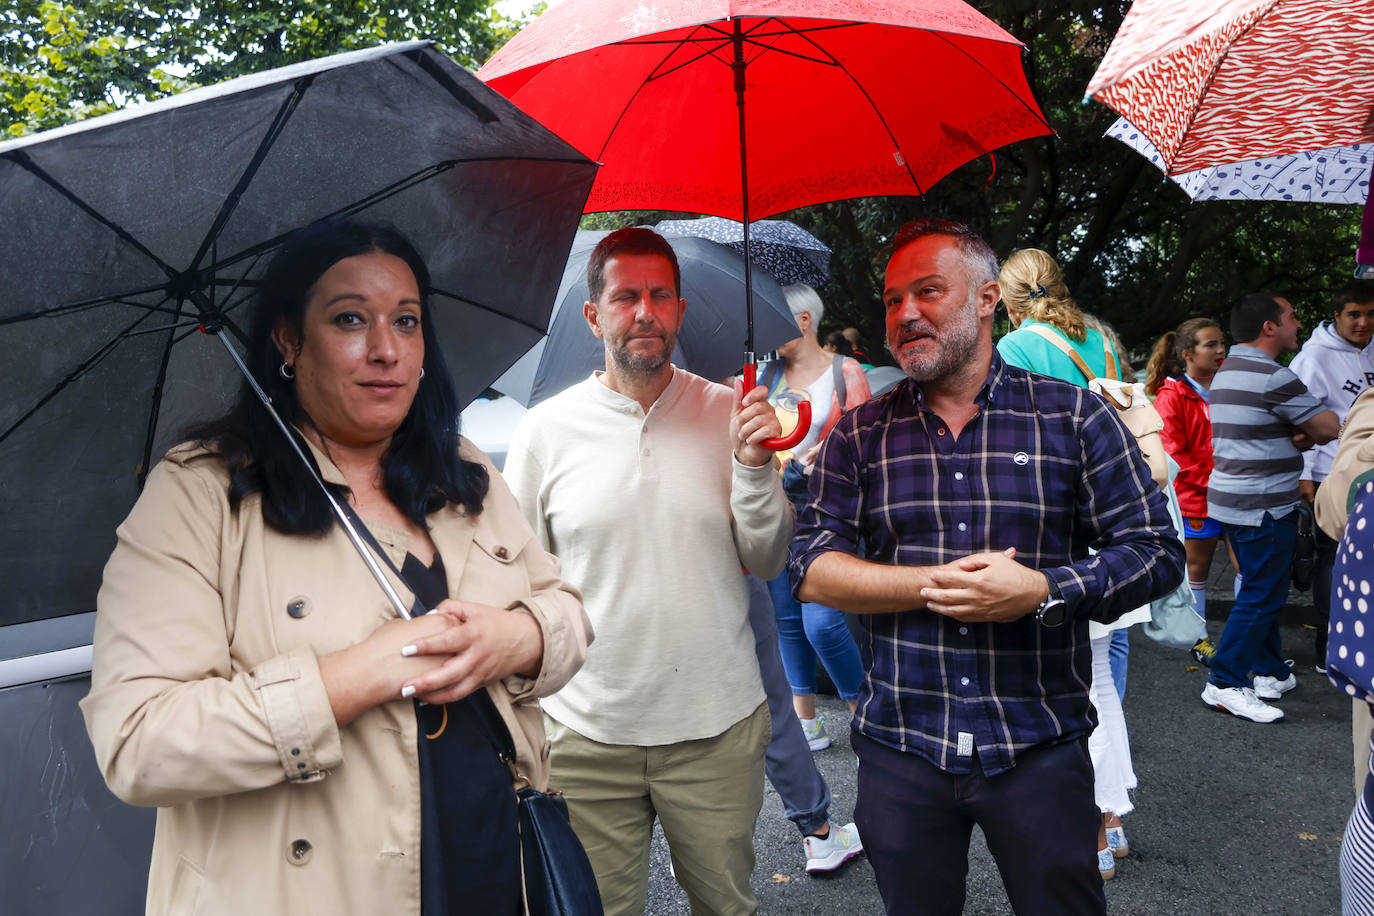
1109,744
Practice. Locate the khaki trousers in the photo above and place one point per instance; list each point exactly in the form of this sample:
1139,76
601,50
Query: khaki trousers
706,794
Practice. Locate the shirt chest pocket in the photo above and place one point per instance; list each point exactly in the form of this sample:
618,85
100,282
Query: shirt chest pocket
494,572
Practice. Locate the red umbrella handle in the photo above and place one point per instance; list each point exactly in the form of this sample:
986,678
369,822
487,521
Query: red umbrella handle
779,443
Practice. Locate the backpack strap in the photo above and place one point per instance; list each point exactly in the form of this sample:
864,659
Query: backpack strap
1062,345
837,379
1109,357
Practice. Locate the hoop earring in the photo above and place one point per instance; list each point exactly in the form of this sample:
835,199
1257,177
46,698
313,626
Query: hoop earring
422,373
287,372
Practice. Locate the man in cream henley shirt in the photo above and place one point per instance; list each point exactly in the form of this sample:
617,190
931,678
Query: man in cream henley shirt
648,483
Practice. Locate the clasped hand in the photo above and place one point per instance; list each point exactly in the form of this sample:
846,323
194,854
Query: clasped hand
985,588
477,645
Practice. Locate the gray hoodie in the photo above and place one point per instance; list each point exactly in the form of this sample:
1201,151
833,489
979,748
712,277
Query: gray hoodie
1335,371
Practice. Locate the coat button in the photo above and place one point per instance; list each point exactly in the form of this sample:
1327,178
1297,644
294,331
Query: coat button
502,553
298,607
300,852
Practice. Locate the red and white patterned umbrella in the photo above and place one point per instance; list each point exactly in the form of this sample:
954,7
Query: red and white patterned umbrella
1232,80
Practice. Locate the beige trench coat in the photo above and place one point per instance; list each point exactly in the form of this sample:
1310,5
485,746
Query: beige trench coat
206,699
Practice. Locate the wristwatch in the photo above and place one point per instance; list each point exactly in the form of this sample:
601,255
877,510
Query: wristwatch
1052,611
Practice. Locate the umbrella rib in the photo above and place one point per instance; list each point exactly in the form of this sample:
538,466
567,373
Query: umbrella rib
427,62
155,407
673,45
24,161
1030,108
90,363
722,39
269,139
486,308
71,308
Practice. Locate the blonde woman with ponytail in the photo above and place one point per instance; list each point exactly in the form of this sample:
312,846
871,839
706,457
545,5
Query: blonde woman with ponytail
1034,293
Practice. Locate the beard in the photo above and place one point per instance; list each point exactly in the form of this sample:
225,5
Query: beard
954,346
627,360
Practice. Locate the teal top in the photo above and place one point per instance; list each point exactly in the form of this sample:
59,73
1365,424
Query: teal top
1027,349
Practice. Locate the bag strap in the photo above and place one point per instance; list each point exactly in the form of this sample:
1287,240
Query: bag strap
497,733
837,378
1062,345
1109,357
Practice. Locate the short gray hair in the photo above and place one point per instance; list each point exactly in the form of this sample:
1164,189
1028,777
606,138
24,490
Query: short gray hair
802,298
978,256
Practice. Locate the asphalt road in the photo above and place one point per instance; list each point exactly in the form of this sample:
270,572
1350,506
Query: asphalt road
1231,817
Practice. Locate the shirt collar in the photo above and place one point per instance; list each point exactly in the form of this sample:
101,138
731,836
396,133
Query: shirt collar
986,395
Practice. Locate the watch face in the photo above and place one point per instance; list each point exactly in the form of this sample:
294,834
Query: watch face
1052,612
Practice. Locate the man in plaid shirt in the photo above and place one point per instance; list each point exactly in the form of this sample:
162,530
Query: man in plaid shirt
956,513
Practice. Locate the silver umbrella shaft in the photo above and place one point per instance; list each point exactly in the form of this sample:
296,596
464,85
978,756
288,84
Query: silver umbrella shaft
339,513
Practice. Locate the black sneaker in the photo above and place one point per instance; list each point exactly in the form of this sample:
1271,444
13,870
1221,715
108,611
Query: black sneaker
1204,650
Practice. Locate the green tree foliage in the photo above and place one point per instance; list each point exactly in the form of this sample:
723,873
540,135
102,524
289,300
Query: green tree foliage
61,62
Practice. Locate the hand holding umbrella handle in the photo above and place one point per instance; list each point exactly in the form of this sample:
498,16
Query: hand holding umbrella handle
778,443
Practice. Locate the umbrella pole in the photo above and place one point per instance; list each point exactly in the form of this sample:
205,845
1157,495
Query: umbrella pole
737,67
401,610
778,443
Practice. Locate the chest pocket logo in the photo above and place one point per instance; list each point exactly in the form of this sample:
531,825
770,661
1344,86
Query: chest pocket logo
1021,458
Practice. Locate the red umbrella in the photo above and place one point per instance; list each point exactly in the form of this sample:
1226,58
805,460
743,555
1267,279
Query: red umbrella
1238,80
747,108
1213,83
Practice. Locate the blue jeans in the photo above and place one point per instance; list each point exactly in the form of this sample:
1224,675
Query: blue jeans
787,762
1120,655
1250,644
806,630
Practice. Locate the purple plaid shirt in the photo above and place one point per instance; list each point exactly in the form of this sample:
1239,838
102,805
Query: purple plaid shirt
1045,467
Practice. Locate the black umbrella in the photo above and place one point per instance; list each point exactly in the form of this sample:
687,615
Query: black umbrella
125,234
708,342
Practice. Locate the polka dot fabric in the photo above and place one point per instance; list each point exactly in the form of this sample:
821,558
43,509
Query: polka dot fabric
1350,646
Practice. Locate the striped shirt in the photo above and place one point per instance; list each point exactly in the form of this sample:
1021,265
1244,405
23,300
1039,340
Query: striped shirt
1045,467
1255,403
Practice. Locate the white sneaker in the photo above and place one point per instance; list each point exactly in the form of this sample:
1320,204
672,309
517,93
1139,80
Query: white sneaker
1271,688
829,853
814,729
1242,702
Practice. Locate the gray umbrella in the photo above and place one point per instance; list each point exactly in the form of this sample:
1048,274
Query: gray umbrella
787,251
124,233
709,342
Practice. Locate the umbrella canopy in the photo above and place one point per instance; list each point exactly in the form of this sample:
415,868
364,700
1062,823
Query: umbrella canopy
708,342
830,106
1236,80
747,108
1328,176
785,250
125,232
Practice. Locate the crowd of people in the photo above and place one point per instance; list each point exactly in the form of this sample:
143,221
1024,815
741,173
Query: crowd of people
638,603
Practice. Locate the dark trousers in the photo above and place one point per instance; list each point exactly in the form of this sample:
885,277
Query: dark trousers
1321,589
1039,818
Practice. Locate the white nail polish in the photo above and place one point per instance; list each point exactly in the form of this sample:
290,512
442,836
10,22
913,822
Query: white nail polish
407,692
408,651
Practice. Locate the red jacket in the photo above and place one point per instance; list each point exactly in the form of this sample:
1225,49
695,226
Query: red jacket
1188,440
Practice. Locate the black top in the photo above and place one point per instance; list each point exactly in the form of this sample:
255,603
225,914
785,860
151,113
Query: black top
470,838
